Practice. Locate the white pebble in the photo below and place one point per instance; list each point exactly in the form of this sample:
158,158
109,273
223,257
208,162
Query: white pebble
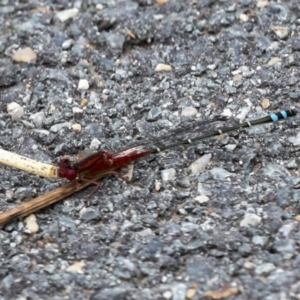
83,84
95,143
281,31
202,199
273,61
67,44
262,3
200,164
38,119
230,147
168,174
211,67
99,6
295,140
163,67
167,295
77,110
243,113
244,17
76,127
236,72
76,267
227,112
24,55
189,111
31,223
67,14
288,228
15,110
250,220
157,185
106,92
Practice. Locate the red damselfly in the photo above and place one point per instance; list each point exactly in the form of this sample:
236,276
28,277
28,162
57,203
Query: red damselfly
104,160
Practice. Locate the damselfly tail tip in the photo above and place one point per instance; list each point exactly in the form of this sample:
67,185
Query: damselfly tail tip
292,112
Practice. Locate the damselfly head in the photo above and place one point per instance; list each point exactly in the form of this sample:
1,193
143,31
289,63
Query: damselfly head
66,169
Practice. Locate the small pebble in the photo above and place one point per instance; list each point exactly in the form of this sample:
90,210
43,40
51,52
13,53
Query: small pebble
168,174
153,114
250,220
160,2
236,72
15,110
265,103
31,223
264,269
237,77
281,31
88,214
249,265
244,17
76,267
163,67
200,164
273,61
262,3
232,8
295,140
83,84
227,112
77,110
157,185
182,211
67,44
95,143
287,229
211,67
189,111
167,295
220,173
24,55
292,164
38,119
84,102
243,113
9,194
230,147
202,199
190,294
67,14
60,126
83,42
99,6
76,127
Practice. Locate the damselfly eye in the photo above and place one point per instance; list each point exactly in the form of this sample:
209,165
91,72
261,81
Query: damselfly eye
66,170
70,174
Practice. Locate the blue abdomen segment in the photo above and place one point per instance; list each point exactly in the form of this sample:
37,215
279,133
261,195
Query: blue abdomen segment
282,115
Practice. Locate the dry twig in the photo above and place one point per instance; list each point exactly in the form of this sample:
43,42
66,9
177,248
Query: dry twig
50,198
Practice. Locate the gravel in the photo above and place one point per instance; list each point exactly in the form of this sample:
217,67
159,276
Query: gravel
104,74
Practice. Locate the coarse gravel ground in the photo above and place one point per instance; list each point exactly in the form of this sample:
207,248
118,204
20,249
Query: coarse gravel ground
228,232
